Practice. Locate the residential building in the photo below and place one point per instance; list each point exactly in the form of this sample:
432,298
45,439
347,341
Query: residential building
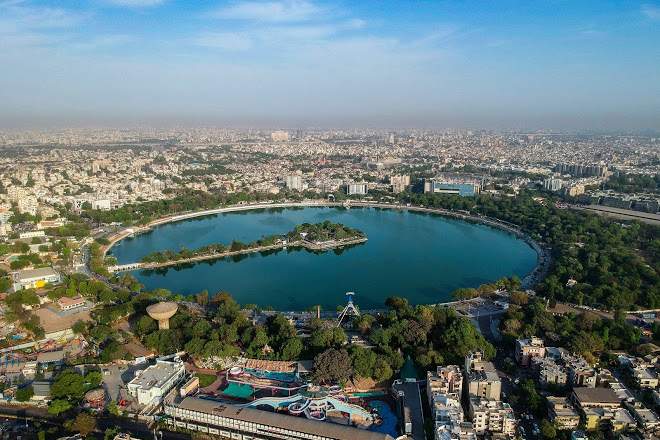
444,390
584,397
553,184
294,182
648,420
35,278
447,380
491,416
580,373
550,372
645,376
600,405
149,386
231,421
66,303
399,183
484,384
359,189
102,204
562,413
574,190
526,349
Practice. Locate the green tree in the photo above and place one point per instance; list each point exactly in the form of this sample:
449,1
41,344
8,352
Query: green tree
548,430
332,367
24,394
84,423
59,406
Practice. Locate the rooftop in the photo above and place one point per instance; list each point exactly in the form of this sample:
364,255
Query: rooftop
595,395
156,375
28,274
299,424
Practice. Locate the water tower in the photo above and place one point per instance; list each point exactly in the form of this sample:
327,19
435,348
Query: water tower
162,312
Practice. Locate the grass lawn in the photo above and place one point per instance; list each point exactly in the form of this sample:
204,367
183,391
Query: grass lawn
205,379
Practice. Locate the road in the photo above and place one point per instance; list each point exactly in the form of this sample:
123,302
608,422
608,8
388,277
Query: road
134,427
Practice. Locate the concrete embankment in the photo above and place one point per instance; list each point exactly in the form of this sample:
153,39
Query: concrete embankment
543,256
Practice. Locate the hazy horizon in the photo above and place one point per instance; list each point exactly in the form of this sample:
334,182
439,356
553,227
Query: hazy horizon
559,65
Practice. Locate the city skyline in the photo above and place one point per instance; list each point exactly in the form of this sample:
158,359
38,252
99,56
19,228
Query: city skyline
511,65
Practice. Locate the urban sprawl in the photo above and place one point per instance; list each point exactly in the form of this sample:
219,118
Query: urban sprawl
570,352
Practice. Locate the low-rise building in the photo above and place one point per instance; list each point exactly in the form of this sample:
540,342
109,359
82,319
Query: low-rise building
599,405
584,397
66,303
617,418
35,278
562,413
527,349
149,386
447,380
580,373
230,421
648,420
481,376
550,372
645,377
491,416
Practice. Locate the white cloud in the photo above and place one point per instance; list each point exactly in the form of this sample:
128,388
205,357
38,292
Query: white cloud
270,11
651,11
24,25
135,3
232,41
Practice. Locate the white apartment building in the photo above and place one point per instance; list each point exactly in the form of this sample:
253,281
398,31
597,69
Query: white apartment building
553,184
101,204
357,189
491,416
294,182
149,386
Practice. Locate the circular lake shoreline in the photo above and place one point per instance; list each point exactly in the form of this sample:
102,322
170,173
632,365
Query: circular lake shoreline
418,255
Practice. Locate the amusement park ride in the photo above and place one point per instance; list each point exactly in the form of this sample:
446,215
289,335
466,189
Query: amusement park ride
350,309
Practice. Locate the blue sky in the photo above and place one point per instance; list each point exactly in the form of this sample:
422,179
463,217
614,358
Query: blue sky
559,64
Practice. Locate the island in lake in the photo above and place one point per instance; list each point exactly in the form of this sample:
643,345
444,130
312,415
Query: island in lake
313,236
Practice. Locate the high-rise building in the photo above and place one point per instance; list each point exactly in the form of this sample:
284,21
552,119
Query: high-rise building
553,184
356,189
294,182
580,170
399,183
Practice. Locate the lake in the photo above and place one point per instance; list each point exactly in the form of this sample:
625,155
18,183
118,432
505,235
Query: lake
420,256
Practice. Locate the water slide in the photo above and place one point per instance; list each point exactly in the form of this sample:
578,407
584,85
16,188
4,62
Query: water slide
325,403
276,402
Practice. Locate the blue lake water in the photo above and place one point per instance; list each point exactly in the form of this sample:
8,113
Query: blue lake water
423,257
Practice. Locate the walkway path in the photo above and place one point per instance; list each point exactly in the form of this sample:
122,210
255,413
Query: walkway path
300,243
